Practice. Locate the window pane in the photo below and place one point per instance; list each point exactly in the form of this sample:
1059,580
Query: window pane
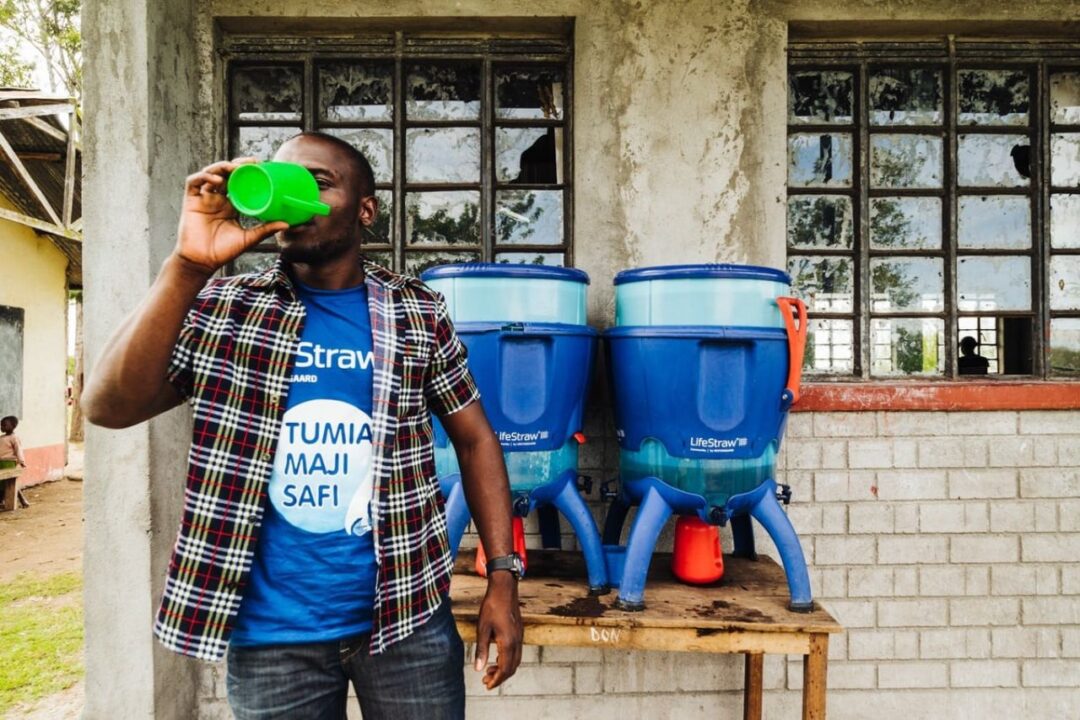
442,218
819,221
1065,282
905,161
1065,221
1065,345
911,284
262,143
993,97
530,258
994,221
976,342
913,222
254,262
376,144
442,155
533,217
907,346
1065,160
416,262
266,93
905,97
356,91
442,91
384,258
829,347
529,93
383,228
819,97
994,161
826,284
993,283
1065,98
528,155
819,160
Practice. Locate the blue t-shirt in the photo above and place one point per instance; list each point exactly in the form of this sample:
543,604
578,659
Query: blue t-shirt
313,578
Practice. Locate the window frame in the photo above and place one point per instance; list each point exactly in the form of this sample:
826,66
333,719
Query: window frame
400,48
1039,59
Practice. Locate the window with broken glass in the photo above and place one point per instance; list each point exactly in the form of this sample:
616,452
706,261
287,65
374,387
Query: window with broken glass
933,214
469,138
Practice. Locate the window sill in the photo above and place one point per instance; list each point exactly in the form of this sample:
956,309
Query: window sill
925,396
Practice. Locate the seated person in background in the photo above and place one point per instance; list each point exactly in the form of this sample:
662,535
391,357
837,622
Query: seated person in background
10,450
970,362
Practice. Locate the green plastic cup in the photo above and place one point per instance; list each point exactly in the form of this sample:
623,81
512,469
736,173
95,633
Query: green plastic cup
276,191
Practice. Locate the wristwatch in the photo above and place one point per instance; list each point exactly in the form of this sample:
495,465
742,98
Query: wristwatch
511,562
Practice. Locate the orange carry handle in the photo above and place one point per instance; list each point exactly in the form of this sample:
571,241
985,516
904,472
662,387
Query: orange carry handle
791,307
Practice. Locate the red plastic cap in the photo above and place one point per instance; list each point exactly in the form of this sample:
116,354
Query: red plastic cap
580,437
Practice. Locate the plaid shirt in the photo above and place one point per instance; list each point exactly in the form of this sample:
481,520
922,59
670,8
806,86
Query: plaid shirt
233,361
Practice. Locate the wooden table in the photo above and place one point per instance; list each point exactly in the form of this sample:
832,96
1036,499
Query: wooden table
746,612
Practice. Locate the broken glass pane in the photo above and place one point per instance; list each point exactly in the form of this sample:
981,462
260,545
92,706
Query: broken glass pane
826,284
442,155
819,97
266,92
442,91
1065,221
1065,160
910,222
1065,282
994,221
911,284
994,161
993,283
528,155
1065,345
1065,98
907,346
819,221
829,347
533,217
261,143
350,91
530,258
416,262
442,218
905,161
376,144
532,92
976,342
905,97
819,160
993,97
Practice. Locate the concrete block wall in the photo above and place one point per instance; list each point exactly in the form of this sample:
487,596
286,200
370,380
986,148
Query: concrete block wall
945,543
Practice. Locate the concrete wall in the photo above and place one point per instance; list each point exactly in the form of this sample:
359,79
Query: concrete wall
34,279
955,579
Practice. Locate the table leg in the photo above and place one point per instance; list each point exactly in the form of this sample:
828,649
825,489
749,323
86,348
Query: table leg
815,665
752,681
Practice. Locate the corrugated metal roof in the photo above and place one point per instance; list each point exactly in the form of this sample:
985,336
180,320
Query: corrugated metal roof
45,157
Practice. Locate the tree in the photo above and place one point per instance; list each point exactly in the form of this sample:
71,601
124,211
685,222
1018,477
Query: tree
51,29
14,71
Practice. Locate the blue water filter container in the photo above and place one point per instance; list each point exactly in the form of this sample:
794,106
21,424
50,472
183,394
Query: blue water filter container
531,355
704,364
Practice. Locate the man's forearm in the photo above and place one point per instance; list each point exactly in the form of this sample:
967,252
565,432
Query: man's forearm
128,385
487,491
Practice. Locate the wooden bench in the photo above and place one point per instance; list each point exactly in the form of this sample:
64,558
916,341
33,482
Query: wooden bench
746,612
9,493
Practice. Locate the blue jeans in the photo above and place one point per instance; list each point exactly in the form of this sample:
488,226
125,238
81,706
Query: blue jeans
419,678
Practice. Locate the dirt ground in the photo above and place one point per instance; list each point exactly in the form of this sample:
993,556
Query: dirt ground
43,540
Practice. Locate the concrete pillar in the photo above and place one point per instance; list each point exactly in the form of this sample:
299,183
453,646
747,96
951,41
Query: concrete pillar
139,144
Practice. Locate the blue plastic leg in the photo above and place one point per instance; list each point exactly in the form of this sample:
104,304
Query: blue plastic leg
570,503
550,535
613,522
457,512
742,531
767,512
648,523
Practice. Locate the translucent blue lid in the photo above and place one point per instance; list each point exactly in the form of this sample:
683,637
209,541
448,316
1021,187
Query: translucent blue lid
504,270
710,271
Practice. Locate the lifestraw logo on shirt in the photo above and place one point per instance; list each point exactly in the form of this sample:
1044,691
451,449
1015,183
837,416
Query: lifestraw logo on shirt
322,480
314,355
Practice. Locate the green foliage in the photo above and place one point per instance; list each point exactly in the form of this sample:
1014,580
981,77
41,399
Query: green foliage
41,634
14,71
51,29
